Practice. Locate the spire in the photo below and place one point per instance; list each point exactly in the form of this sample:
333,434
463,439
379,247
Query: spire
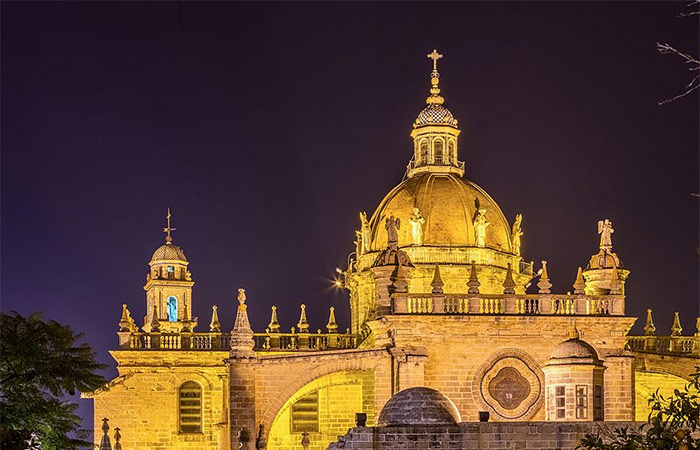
676,328
332,326
573,331
185,319
579,284
437,283
215,325
473,282
125,320
241,342
544,285
155,323
508,283
105,443
303,324
274,324
649,327
435,98
168,229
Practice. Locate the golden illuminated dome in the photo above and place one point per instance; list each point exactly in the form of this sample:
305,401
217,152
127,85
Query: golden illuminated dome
168,252
448,203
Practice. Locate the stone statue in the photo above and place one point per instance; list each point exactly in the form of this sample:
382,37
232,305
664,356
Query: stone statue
358,243
605,230
417,221
241,296
480,224
392,226
365,231
517,233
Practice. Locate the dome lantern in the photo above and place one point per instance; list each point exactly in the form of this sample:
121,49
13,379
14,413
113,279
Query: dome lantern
435,133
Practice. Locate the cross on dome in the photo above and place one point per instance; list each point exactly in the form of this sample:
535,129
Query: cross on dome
434,55
168,229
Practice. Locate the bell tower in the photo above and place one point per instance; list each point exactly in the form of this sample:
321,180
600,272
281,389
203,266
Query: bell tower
435,133
169,288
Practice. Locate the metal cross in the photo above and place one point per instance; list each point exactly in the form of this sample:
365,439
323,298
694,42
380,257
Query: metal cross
434,55
168,229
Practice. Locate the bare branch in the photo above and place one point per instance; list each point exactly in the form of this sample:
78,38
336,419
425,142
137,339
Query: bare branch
666,49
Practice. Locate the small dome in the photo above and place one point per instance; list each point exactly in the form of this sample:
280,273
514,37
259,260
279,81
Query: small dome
169,252
574,349
419,406
435,114
604,260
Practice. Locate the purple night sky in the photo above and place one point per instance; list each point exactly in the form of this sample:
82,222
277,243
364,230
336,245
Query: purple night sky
268,127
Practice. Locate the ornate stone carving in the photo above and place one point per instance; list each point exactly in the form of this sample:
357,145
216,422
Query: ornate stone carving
509,388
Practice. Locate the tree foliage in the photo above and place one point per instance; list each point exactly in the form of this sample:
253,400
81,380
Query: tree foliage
673,423
40,363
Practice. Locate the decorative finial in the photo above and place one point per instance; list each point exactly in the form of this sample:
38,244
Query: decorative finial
168,229
241,341
435,97
117,439
573,331
473,283
125,320
579,284
155,323
185,319
544,285
274,324
649,327
437,283
332,326
241,296
105,443
508,283
303,324
260,441
215,325
676,328
305,440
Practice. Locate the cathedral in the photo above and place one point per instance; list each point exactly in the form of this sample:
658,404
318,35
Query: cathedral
441,300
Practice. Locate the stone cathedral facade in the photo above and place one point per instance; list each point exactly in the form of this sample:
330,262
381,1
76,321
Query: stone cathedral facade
440,297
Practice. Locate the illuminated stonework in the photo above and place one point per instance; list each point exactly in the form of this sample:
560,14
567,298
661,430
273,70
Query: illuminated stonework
440,297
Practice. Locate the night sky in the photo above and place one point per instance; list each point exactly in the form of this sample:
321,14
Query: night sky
268,127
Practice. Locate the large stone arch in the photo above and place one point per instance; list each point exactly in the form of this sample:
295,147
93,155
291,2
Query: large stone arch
321,365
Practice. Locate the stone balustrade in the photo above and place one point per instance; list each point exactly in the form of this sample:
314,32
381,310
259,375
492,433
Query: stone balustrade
515,304
264,342
665,345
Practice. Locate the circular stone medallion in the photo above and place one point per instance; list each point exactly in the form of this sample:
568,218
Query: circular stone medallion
510,385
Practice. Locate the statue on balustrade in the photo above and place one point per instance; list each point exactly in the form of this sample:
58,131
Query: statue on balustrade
480,225
364,231
605,230
392,226
417,221
517,234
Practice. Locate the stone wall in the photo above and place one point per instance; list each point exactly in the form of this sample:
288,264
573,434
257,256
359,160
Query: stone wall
471,436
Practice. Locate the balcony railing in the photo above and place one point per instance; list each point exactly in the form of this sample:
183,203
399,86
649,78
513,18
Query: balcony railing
665,345
516,304
264,342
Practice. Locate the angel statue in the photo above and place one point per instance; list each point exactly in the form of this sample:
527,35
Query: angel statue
480,224
392,226
605,230
364,231
517,233
417,221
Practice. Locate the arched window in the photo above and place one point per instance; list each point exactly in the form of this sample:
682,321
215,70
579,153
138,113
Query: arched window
424,151
172,309
451,151
190,406
439,146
